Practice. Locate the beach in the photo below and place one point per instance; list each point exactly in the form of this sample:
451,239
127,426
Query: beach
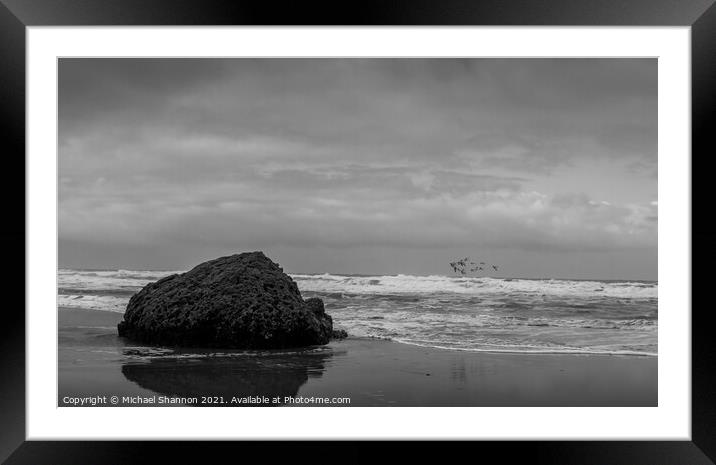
94,362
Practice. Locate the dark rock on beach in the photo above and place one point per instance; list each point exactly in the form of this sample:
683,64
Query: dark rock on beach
339,334
243,301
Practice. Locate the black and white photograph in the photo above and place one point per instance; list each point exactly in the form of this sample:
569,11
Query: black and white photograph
357,232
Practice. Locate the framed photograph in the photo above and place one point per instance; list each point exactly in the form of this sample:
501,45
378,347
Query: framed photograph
454,222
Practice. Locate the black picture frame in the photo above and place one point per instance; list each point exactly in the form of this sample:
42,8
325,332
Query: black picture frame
17,15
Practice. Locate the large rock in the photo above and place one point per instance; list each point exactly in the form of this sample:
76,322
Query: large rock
241,301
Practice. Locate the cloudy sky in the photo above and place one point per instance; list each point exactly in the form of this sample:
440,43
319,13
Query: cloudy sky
547,167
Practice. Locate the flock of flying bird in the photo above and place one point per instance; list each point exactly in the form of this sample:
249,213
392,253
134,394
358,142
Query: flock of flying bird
465,265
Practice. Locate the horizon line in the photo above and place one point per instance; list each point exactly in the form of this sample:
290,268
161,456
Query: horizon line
534,278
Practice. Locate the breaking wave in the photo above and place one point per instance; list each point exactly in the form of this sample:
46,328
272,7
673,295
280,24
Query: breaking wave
457,313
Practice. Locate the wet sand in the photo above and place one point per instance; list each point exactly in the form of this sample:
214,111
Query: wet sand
94,361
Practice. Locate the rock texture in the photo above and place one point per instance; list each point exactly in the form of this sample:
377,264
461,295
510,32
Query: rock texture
242,301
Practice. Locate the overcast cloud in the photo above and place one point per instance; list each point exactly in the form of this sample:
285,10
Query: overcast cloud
546,166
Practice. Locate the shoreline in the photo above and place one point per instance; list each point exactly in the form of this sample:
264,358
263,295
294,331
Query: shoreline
426,346
94,361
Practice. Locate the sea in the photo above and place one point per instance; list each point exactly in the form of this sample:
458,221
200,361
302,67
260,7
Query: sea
467,313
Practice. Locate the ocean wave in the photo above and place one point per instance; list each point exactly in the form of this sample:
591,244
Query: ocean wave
122,292
408,284
339,285
461,313
107,303
102,280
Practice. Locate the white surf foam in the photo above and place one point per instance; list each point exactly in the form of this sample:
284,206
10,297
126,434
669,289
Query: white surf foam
408,284
505,315
107,303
